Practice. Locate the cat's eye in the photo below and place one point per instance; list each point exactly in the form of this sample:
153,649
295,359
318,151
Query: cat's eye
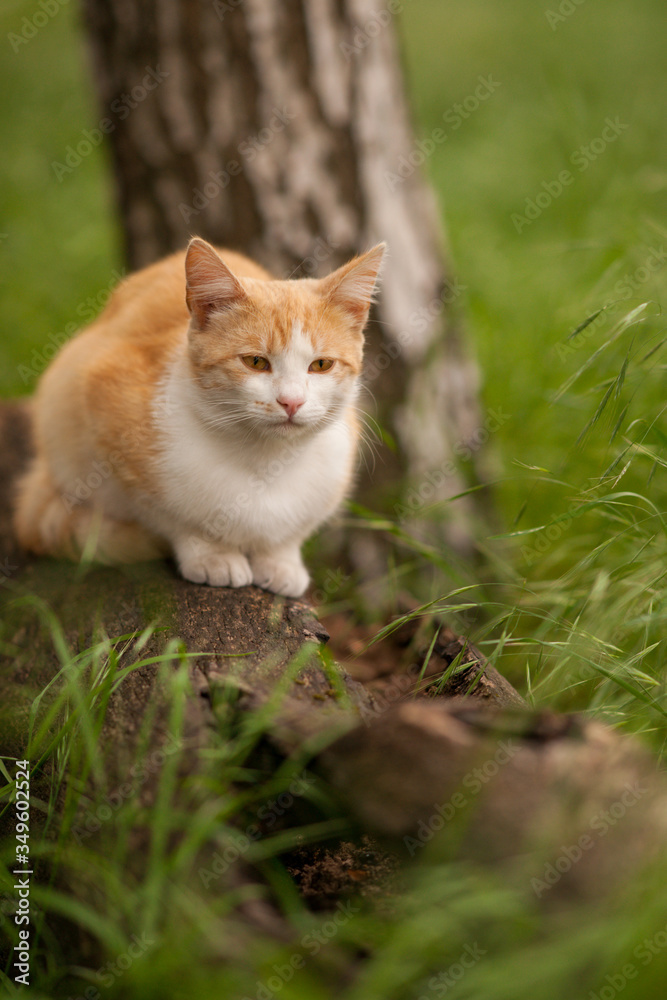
321,365
256,363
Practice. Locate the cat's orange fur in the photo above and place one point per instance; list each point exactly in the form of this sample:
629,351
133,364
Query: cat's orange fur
99,401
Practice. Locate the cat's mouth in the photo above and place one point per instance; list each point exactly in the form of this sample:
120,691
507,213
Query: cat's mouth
290,426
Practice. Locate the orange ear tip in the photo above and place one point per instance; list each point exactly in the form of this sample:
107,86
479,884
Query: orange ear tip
198,244
377,253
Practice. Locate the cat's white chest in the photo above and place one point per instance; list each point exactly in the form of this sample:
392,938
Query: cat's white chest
246,494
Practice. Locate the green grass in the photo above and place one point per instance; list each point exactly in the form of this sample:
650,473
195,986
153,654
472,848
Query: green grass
528,291
162,924
580,484
568,598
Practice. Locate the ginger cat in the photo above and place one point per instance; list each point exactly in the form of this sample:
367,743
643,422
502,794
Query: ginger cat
213,418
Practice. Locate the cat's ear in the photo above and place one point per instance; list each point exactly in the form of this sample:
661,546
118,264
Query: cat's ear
352,286
209,284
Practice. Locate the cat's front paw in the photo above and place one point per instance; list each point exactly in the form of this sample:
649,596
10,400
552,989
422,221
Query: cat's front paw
288,577
219,569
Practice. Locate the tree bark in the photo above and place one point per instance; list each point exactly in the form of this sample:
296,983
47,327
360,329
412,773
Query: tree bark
282,130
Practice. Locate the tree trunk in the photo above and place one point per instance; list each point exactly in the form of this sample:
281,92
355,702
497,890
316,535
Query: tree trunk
283,130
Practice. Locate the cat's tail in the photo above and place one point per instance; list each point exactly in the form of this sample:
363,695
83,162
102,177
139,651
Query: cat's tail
46,523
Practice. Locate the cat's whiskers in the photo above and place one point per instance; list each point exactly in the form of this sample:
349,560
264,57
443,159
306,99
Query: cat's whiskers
217,421
371,434
364,387
371,431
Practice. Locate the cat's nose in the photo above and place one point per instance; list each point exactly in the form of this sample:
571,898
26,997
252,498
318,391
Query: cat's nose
291,405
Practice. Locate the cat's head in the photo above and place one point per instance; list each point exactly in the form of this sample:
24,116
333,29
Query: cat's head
281,357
